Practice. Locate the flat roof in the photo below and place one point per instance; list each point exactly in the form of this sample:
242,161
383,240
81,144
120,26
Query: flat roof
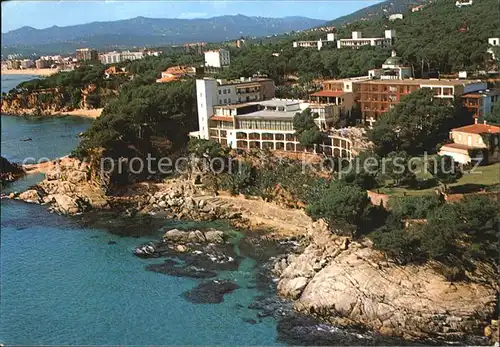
234,106
348,79
276,102
421,81
237,82
247,84
269,115
366,38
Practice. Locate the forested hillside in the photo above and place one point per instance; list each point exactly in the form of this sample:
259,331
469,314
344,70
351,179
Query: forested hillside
439,37
377,11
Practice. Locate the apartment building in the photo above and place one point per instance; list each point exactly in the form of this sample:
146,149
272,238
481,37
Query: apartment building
27,64
357,40
473,142
111,58
128,55
117,57
43,63
330,39
86,54
480,103
379,96
383,88
217,58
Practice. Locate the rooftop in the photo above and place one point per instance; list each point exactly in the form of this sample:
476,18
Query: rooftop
277,103
242,80
478,94
427,82
328,93
269,115
479,129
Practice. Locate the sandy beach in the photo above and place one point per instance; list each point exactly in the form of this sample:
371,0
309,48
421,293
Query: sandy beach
88,113
93,113
39,72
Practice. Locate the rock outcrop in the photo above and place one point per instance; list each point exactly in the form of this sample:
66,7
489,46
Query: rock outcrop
182,200
68,188
347,283
9,172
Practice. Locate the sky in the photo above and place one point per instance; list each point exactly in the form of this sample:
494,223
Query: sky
43,14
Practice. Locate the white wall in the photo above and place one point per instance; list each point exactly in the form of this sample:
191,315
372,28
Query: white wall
494,41
206,98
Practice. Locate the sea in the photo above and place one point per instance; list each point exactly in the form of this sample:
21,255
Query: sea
71,281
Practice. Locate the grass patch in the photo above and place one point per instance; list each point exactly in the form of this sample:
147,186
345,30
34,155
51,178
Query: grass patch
483,177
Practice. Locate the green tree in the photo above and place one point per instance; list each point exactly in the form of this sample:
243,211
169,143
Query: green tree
397,167
444,169
418,123
306,129
494,116
341,204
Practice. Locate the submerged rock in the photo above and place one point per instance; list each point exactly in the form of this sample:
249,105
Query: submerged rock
211,292
173,268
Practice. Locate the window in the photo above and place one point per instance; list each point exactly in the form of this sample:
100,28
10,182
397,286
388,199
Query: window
224,91
225,100
201,105
229,100
201,95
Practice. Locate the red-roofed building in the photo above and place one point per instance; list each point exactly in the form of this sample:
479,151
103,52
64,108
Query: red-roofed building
473,142
175,72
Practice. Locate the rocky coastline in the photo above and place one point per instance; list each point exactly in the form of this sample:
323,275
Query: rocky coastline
9,172
332,279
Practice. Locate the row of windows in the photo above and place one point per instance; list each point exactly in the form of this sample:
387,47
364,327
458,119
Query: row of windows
266,125
224,91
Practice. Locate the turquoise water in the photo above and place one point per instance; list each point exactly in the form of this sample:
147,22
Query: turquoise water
62,283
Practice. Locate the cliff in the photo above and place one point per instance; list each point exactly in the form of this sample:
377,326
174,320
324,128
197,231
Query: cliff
50,101
346,282
9,172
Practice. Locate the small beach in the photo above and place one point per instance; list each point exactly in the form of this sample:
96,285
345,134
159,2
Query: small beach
38,72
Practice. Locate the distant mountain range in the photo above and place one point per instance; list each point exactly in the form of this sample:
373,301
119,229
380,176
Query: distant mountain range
376,11
141,31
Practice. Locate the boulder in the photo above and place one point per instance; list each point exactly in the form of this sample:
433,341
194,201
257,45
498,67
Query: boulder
294,287
66,204
175,235
31,196
214,236
181,248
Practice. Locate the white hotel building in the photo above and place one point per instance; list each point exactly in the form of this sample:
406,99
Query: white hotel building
358,40
217,58
259,123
